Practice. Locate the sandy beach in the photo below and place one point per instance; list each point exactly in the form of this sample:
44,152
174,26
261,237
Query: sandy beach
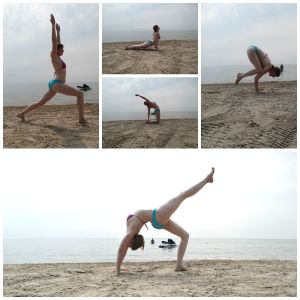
203,278
236,117
173,57
171,133
52,126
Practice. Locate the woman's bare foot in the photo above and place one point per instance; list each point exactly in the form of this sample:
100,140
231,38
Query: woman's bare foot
209,177
126,48
21,116
83,121
180,269
238,78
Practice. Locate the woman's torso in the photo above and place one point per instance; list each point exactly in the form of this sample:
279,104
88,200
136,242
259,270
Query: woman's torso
136,222
59,69
263,56
153,105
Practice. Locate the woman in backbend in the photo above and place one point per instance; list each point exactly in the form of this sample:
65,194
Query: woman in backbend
262,64
149,43
160,219
57,85
150,105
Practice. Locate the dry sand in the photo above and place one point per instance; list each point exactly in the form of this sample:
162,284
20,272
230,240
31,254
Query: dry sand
52,126
173,57
203,278
171,133
236,117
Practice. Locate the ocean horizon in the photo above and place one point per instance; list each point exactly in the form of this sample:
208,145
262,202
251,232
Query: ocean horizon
92,250
227,74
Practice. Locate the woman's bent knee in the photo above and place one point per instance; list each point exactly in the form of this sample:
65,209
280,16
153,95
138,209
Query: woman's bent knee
185,236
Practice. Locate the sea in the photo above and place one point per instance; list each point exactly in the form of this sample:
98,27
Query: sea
25,94
118,116
91,250
128,36
227,74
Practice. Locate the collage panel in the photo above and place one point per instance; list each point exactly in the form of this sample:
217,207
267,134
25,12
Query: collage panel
51,76
139,112
150,38
249,75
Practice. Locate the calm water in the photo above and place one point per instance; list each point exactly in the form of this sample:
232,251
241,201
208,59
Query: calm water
117,116
227,74
105,250
25,94
127,36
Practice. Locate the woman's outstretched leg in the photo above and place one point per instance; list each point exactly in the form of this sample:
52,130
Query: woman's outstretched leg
48,96
69,91
165,212
137,47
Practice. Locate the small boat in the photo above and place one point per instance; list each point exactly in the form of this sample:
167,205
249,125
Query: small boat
169,244
84,87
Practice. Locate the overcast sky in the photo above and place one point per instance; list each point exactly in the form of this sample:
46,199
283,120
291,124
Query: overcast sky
171,94
253,196
27,41
136,17
228,29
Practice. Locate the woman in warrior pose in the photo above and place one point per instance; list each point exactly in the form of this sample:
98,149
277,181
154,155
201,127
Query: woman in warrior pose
149,43
160,219
57,85
262,64
149,105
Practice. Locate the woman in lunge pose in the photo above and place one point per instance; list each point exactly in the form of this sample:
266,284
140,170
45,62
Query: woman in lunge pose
150,105
262,64
160,219
57,85
149,43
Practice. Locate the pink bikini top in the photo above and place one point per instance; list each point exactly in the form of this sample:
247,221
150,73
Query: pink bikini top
63,65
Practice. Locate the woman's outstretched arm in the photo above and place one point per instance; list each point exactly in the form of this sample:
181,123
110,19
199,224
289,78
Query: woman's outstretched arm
143,97
259,75
58,33
54,38
123,250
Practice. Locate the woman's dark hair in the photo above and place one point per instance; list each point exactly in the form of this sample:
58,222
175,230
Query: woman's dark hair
59,46
146,103
277,70
137,242
155,28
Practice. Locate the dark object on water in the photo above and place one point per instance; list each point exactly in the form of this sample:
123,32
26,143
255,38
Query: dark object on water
84,87
152,242
169,244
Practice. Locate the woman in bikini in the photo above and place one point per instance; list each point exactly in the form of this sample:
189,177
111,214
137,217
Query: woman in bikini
150,105
262,64
57,85
149,43
160,219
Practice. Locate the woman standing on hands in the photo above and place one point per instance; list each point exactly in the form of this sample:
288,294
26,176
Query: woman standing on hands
262,63
149,43
57,85
160,219
149,105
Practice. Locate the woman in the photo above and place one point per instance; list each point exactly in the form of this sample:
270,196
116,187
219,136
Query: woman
160,219
149,43
57,85
150,105
262,64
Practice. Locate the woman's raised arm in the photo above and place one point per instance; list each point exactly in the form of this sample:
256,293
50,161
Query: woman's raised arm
54,38
58,33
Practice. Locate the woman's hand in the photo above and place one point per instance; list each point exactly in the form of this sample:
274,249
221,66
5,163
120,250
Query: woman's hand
52,19
57,27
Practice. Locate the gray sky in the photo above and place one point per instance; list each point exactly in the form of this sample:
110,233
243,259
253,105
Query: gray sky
135,16
27,41
171,94
228,29
253,196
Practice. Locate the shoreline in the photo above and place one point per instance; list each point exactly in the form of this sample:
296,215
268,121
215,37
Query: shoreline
173,57
170,133
202,278
236,117
51,126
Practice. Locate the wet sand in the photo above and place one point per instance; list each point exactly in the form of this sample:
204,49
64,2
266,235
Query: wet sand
52,126
171,133
236,117
173,57
203,278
